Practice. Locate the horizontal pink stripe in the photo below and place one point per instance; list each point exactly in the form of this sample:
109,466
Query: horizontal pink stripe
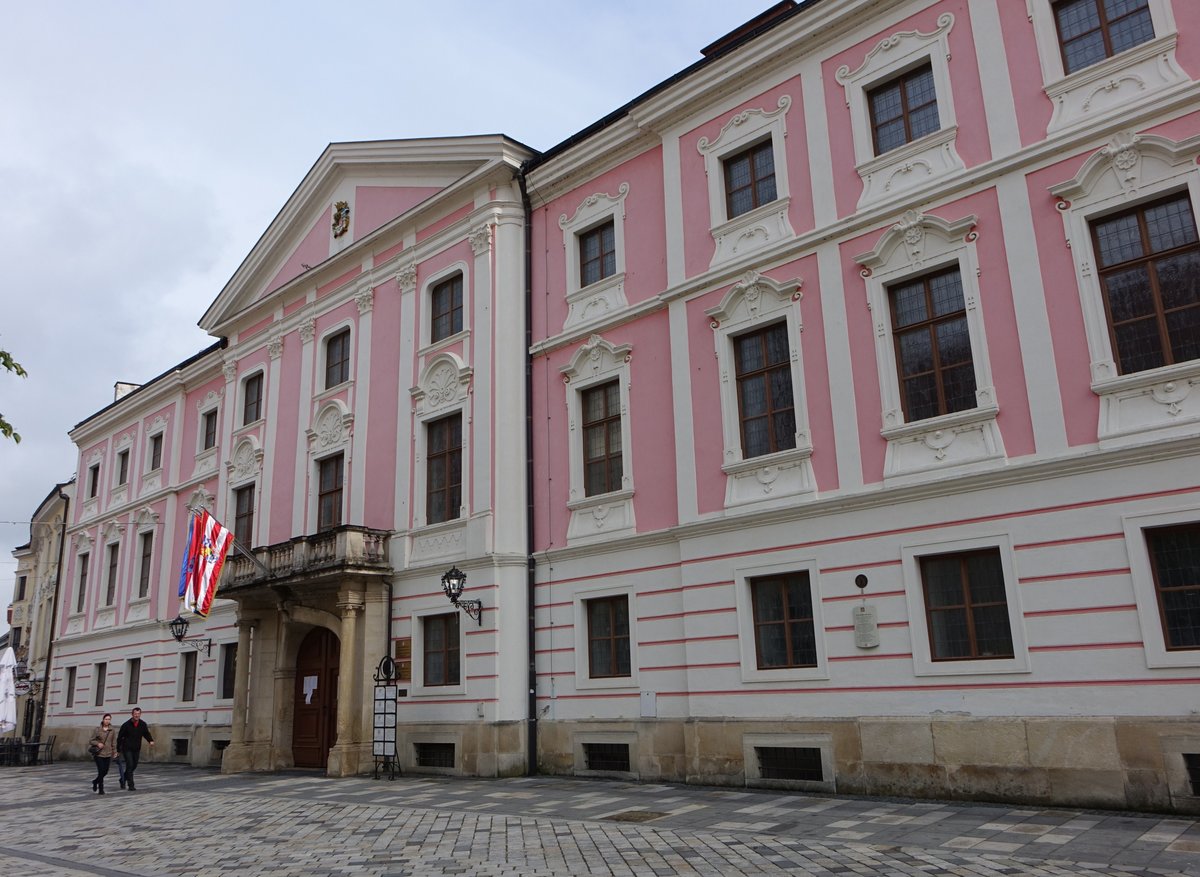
861,596
873,657
1127,607
686,613
688,639
1085,646
856,566
552,651
665,667
681,588
1077,541
845,627
1057,577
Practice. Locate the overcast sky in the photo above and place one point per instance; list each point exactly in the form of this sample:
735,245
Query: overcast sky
144,147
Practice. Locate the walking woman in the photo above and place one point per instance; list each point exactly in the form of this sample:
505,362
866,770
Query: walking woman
103,748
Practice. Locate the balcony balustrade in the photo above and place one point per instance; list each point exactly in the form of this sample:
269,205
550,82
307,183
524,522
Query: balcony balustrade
323,556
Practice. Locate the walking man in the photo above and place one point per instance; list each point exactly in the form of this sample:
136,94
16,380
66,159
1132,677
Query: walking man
129,744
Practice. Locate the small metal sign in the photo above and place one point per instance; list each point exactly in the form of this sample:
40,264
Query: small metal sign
22,686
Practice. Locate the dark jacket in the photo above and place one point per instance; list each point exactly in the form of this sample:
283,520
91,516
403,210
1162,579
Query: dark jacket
130,737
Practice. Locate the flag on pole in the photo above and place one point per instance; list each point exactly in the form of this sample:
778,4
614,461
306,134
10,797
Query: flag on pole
208,543
189,560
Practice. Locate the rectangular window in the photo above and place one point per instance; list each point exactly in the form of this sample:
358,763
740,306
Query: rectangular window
933,345
101,677
70,686
762,359
337,359
749,179
597,253
147,544
784,633
799,763
602,438
228,670
123,467
110,583
21,587
903,109
443,488
966,606
446,308
1149,259
81,589
93,480
156,442
1175,562
243,520
133,679
441,649
187,680
434,754
252,398
210,430
15,639
1091,30
329,495
608,637
606,757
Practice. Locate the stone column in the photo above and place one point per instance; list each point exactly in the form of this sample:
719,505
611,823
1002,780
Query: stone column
238,756
344,757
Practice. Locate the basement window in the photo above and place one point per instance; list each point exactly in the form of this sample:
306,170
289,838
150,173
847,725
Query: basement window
789,763
1191,761
607,756
179,747
434,754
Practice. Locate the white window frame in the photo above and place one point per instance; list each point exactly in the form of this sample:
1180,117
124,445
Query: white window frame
752,303
161,435
1144,591
604,515
125,448
315,460
206,458
262,404
586,304
417,686
767,224
584,681
926,161
1132,169
223,654
918,626
1129,78
323,358
459,267
182,678
102,597
916,246
84,545
744,600
442,390
147,524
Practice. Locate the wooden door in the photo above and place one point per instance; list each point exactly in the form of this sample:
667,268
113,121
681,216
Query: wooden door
314,729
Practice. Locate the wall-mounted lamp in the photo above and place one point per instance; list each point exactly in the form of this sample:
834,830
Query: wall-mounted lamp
453,583
179,628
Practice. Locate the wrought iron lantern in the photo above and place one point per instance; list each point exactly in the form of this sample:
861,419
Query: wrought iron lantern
453,582
179,629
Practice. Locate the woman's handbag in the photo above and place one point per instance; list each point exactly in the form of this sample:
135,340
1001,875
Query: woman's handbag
93,748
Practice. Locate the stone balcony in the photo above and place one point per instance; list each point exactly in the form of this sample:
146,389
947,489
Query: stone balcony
322,559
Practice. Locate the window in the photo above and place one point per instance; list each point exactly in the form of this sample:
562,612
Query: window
187,678
252,390
243,519
209,430
602,438
965,605
608,636
443,485
784,634
228,670
749,179
329,493
147,552
110,584
337,358
101,677
903,109
70,686
1091,30
764,386
156,445
21,588
93,480
133,679
1149,260
123,467
933,345
597,253
446,305
15,639
81,588
441,649
1175,563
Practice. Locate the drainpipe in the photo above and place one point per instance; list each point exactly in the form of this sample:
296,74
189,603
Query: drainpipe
531,761
62,541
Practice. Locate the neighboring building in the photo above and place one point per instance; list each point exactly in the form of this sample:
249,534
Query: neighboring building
862,451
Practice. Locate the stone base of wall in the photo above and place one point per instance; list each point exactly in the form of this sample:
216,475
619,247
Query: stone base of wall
1135,764
480,749
205,745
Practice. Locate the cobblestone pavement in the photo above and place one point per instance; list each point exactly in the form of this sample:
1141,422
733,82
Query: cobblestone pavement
184,821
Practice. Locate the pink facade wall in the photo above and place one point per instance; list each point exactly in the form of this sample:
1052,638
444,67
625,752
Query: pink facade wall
1025,73
382,461
377,205
445,222
313,250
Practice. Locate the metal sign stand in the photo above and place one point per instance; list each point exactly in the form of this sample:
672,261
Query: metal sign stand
383,741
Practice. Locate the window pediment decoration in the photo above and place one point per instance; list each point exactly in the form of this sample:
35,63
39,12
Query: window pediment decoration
1124,165
158,424
81,542
246,461
925,239
201,499
112,531
332,427
95,457
125,441
444,383
146,518
210,400
753,296
597,356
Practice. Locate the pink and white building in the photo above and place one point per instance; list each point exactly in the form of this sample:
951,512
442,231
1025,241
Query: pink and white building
863,449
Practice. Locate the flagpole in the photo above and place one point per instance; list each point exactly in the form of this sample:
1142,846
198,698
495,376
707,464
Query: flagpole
239,547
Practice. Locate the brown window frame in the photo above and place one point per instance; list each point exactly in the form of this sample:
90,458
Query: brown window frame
123,467
93,480
156,449
252,398
1148,260
446,306
967,607
906,112
146,541
187,693
69,685
243,514
81,582
605,261
618,641
444,459
330,485
749,154
114,565
1192,527
792,652
450,650
133,682
773,411
1105,29
337,359
228,681
610,461
209,426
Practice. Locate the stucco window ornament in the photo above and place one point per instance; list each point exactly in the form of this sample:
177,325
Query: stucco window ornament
926,161
1129,169
480,240
365,299
1134,77
594,301
230,370
444,383
341,218
332,428
201,499
406,277
246,462
275,346
768,224
917,245
308,330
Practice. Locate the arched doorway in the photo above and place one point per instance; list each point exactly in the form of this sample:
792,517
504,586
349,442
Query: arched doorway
314,729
